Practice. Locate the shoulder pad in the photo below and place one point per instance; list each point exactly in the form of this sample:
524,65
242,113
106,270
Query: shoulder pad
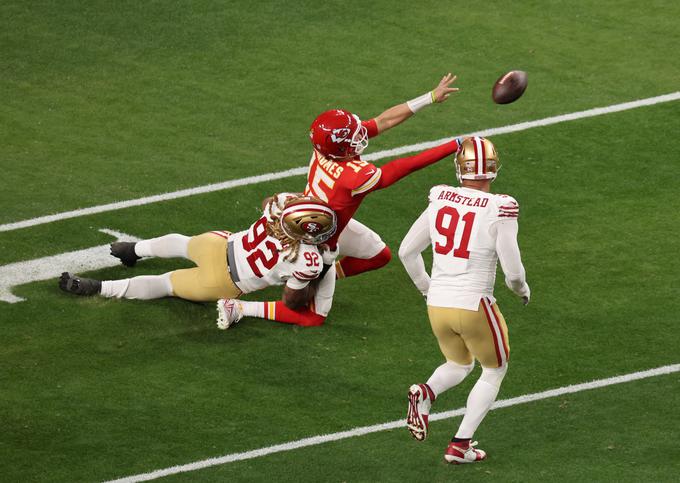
507,206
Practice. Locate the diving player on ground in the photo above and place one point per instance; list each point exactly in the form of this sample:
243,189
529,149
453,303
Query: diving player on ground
338,176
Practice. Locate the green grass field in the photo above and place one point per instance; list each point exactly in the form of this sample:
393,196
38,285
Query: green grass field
110,101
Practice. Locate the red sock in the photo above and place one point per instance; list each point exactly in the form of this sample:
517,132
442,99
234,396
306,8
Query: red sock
304,317
350,266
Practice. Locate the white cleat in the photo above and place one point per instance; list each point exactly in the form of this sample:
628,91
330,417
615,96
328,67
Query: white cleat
419,404
229,312
461,453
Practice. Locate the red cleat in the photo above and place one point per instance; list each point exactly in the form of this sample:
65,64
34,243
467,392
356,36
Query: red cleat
463,452
420,398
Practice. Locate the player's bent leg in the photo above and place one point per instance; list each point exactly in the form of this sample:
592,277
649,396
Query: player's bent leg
462,448
481,397
361,250
421,396
276,311
448,375
485,334
350,266
458,366
311,316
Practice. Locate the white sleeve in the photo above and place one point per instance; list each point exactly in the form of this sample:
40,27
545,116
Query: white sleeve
416,240
304,269
509,256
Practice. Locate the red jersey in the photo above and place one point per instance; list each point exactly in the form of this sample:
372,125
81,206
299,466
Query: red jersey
344,184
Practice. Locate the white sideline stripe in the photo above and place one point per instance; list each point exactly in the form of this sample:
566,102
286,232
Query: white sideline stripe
316,440
46,268
119,205
209,188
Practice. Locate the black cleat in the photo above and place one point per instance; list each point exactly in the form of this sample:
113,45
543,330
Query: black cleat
79,286
125,252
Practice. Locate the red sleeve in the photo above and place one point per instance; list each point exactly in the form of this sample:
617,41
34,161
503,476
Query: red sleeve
365,179
398,168
371,126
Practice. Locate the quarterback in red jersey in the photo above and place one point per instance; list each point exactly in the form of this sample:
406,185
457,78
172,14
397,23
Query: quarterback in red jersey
338,176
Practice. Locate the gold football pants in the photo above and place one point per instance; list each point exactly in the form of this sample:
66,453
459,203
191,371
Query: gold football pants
464,334
210,279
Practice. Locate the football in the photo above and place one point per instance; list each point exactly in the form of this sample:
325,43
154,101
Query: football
509,87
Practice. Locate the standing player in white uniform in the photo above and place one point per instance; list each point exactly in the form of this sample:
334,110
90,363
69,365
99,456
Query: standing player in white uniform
470,229
279,248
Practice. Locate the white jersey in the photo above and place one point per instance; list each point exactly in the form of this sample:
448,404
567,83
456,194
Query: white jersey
258,260
469,230
463,244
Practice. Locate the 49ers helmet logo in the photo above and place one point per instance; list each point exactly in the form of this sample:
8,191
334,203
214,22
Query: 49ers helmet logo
310,227
308,219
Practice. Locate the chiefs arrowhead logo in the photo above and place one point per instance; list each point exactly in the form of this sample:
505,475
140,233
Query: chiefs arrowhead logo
339,135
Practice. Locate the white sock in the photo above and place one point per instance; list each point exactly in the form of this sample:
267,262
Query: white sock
448,375
252,309
480,400
167,246
146,287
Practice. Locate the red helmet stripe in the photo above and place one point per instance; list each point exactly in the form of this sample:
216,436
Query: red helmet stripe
479,155
306,207
483,158
474,144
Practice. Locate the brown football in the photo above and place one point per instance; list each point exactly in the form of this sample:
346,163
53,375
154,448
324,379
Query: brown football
509,87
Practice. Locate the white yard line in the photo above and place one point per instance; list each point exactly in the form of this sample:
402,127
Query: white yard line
46,268
303,169
316,440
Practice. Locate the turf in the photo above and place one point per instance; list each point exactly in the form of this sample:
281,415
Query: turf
540,448
111,101
135,93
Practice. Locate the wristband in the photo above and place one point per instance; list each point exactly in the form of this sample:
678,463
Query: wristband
421,101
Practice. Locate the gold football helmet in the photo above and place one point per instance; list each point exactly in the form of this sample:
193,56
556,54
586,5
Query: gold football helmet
476,159
308,219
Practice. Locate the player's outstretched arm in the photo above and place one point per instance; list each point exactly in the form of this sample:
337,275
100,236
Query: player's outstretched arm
416,240
511,261
399,113
399,168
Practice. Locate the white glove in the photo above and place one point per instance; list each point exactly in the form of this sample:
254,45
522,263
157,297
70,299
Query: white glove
525,293
328,256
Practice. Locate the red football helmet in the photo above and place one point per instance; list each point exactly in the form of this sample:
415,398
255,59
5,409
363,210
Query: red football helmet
338,134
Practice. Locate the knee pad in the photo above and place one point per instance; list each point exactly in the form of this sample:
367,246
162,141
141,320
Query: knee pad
494,376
